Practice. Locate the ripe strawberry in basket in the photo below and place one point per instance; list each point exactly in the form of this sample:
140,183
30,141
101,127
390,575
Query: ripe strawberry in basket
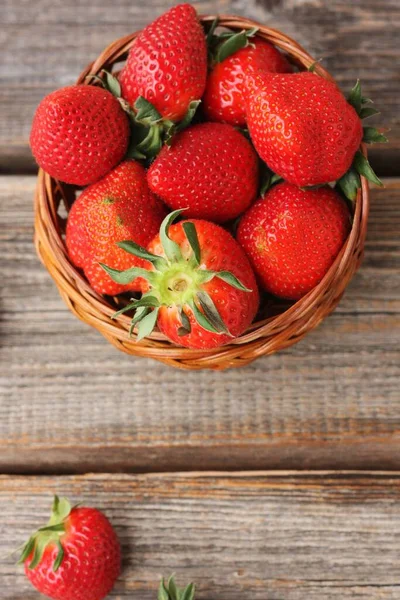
79,133
167,64
210,169
118,207
76,556
201,290
293,236
235,55
302,126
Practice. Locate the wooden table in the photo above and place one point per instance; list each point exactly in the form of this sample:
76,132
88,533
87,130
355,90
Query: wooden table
280,481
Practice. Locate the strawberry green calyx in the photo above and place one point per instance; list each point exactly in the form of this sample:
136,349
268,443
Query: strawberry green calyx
351,182
227,43
170,591
149,130
178,279
48,535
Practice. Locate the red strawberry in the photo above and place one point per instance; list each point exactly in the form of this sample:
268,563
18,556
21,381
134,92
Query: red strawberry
76,556
167,63
302,126
211,169
79,133
117,208
223,99
201,289
293,236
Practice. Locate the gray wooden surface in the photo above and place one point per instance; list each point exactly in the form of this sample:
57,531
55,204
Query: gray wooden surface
45,44
266,536
73,403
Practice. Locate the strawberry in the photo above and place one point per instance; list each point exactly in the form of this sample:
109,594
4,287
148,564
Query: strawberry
118,207
167,64
76,556
302,126
210,169
193,290
293,236
224,96
79,133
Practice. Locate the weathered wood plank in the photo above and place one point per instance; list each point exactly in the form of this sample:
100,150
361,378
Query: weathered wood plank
71,403
259,536
46,44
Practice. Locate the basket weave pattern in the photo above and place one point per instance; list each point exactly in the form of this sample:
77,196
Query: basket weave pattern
263,337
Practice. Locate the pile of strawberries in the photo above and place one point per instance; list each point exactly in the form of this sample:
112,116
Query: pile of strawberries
226,132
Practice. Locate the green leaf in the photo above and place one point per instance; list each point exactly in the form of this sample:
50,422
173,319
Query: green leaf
59,557
125,277
141,252
233,43
211,312
188,118
191,234
162,592
133,152
173,589
204,275
146,113
147,324
140,314
265,178
368,111
170,129
186,326
56,527
27,550
210,34
202,319
355,97
363,167
230,278
152,143
312,67
275,177
40,546
373,136
188,592
350,183
171,248
60,510
112,84
127,308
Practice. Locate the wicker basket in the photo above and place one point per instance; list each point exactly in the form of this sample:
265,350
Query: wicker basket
263,337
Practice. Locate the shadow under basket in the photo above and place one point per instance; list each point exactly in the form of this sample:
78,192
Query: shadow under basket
265,336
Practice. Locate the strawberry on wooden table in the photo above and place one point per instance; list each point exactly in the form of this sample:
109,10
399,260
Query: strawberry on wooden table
211,170
238,54
79,133
118,207
201,290
293,236
76,556
167,64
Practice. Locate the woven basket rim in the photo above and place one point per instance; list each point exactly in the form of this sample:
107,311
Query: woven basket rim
263,337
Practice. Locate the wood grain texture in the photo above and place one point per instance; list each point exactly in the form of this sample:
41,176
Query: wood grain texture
71,403
259,536
46,44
